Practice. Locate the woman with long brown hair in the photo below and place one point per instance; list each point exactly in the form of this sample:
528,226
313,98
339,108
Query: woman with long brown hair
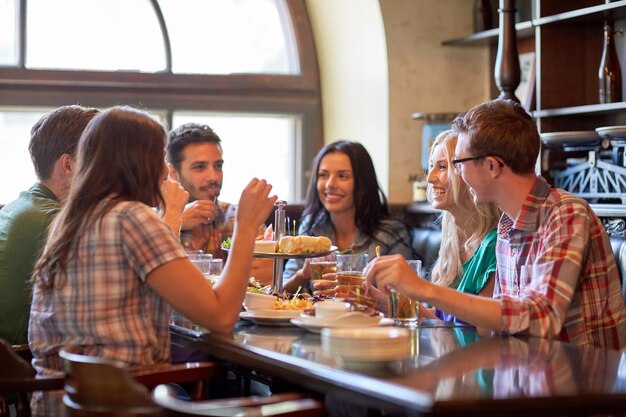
112,268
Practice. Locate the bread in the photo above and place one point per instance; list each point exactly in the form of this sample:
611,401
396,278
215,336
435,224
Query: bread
303,244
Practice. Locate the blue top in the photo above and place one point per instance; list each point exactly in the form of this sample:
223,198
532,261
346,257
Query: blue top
391,235
476,271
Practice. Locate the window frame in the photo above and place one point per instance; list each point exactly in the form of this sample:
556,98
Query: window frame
297,94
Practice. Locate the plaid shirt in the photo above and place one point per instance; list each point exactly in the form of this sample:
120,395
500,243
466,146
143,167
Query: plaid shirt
215,232
102,303
556,272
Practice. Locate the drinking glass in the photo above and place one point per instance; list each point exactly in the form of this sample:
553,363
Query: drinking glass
202,261
350,271
216,267
321,266
403,310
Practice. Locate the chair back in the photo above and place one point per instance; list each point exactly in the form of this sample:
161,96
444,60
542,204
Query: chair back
277,405
98,386
18,379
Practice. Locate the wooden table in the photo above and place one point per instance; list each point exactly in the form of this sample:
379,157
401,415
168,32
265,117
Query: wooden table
452,371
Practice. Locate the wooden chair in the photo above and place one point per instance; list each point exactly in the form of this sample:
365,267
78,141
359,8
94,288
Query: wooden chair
278,405
18,379
98,386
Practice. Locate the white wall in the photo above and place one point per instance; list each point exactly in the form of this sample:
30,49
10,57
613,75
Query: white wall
352,54
380,62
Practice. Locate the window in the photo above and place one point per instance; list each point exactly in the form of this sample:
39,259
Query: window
16,165
254,146
240,66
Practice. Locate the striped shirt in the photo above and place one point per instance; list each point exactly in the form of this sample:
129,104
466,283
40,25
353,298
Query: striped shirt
102,302
556,273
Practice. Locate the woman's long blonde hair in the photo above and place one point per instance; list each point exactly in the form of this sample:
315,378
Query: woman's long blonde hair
449,265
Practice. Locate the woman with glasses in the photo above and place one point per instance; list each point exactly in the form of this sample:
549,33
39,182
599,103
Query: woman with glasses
467,259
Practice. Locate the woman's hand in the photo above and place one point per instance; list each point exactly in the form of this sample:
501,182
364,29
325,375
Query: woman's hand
393,272
325,286
175,198
255,205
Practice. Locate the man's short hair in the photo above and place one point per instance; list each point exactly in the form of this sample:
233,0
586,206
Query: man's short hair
186,134
501,128
55,134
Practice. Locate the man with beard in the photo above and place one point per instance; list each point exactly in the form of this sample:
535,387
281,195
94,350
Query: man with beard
194,156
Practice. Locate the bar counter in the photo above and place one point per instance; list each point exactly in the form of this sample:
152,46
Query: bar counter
452,370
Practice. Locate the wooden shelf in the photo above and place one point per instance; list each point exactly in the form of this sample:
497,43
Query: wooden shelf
421,208
576,110
525,30
614,10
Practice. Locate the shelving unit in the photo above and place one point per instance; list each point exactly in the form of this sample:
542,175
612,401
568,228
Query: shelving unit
567,38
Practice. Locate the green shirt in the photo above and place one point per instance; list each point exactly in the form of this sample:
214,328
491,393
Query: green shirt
477,269
23,226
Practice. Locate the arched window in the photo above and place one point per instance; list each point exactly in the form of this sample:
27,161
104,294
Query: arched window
248,68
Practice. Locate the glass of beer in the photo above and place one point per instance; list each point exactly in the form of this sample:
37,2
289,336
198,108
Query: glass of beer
322,266
350,271
403,310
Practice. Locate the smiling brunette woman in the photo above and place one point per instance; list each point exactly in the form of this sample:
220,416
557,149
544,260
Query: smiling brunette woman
113,268
345,203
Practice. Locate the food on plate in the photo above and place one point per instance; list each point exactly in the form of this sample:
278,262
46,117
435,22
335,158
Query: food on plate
303,244
293,302
264,246
227,242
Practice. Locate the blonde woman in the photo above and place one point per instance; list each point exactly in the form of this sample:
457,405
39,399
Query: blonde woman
467,259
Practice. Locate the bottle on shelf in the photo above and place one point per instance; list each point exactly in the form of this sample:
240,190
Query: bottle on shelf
483,17
609,72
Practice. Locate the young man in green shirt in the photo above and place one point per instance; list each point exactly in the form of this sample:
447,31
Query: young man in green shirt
24,222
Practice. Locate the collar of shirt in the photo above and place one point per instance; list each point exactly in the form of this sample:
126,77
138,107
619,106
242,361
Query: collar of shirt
40,190
528,218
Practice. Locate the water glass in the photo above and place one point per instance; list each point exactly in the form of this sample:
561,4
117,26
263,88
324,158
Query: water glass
202,261
216,267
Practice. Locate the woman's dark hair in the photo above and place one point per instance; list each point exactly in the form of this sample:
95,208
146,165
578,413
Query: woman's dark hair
369,200
121,153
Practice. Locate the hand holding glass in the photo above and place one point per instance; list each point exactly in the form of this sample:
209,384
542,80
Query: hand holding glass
402,309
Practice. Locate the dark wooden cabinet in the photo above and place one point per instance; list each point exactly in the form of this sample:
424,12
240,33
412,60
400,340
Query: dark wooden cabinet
567,39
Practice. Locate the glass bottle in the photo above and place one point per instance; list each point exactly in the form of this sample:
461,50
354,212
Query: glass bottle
483,19
609,72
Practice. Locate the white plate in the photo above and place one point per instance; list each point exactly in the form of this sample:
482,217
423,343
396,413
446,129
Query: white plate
612,132
574,138
349,320
290,256
270,317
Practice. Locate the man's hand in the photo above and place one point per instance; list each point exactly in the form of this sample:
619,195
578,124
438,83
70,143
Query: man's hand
197,213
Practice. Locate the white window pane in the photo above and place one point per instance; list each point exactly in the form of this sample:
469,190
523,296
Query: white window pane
230,36
105,35
262,146
15,165
8,32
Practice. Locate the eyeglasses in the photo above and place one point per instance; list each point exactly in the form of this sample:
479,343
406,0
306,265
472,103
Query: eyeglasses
458,163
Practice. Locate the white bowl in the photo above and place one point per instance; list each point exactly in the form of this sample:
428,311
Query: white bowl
331,308
256,301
